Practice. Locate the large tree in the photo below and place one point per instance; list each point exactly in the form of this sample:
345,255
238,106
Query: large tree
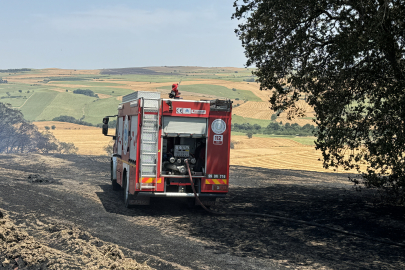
19,136
347,57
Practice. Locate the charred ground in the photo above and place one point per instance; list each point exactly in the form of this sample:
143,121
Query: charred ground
168,235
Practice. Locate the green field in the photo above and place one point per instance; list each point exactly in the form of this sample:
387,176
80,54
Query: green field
37,103
66,104
96,110
216,90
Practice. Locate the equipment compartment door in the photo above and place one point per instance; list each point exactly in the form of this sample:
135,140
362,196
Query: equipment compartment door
119,137
134,134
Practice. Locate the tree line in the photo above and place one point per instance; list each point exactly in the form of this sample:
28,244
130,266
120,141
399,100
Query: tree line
276,129
14,70
20,136
71,119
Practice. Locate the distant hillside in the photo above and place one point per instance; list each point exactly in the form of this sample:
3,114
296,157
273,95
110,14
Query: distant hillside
44,94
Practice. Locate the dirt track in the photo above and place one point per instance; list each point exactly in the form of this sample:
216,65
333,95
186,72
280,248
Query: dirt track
69,209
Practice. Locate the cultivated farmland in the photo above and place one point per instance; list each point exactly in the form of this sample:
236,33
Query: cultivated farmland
49,93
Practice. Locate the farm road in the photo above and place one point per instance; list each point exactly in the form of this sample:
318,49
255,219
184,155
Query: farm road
168,235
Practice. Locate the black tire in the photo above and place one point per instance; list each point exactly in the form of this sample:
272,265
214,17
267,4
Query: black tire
190,203
125,188
115,185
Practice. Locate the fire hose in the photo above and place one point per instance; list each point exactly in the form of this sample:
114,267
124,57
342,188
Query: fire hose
309,223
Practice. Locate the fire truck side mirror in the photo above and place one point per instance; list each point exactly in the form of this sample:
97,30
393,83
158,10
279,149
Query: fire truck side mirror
105,125
105,129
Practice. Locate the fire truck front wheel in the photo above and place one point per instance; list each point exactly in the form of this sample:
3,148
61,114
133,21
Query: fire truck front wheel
127,196
115,185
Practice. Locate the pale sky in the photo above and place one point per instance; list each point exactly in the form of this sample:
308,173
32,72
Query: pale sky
95,34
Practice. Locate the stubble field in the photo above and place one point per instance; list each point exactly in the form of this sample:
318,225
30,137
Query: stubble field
270,153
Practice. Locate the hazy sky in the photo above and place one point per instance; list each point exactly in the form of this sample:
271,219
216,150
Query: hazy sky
93,34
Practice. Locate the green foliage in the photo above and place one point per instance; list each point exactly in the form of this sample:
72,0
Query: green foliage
47,143
348,58
67,148
249,135
86,92
109,148
53,127
251,79
47,128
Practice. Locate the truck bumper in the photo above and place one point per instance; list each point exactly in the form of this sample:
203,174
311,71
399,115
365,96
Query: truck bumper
178,195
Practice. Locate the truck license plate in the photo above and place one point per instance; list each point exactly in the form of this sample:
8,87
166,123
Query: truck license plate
219,187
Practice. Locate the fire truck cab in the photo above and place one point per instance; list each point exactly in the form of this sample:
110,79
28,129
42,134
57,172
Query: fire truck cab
153,139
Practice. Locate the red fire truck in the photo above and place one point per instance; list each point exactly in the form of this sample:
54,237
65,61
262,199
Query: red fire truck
157,140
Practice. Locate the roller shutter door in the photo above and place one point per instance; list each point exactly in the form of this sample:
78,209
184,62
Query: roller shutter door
184,125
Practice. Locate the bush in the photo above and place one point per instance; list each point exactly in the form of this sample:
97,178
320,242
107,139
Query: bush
86,92
249,135
251,79
67,148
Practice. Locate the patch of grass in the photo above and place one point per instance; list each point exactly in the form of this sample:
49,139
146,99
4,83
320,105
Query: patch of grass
216,90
